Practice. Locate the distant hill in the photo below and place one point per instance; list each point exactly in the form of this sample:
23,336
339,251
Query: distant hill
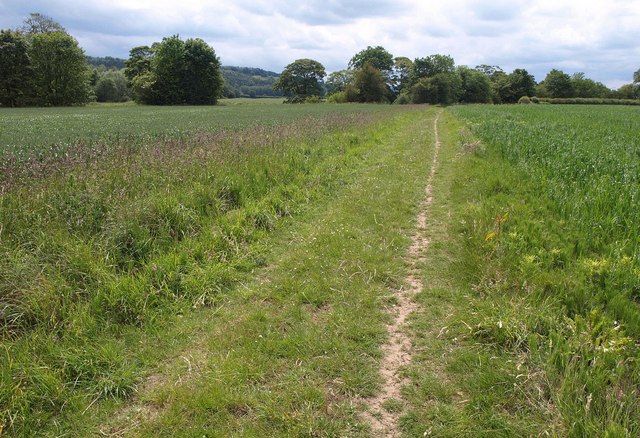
248,82
238,81
107,61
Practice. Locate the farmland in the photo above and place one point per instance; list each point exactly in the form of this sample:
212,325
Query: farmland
37,130
228,270
534,298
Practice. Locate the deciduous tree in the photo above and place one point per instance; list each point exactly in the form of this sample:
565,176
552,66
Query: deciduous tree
39,23
139,61
512,87
61,72
168,64
443,88
111,86
401,74
339,81
377,57
301,79
15,69
368,85
174,72
476,86
432,65
557,84
585,87
203,83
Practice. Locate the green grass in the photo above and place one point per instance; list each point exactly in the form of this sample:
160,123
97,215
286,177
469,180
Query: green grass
25,132
101,258
532,305
232,282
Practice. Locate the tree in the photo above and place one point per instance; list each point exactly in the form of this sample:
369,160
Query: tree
628,91
497,79
636,77
488,70
15,69
139,61
300,80
174,72
512,87
368,85
61,72
168,65
584,87
401,74
500,87
339,81
111,86
443,88
377,57
476,86
203,83
558,84
39,23
432,65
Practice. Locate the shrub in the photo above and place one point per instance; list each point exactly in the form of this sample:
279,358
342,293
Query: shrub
339,97
588,101
524,100
313,99
402,99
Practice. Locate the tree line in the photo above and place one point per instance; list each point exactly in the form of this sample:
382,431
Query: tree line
375,75
42,65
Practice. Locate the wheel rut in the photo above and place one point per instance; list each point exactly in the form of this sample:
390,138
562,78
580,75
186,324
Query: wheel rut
381,413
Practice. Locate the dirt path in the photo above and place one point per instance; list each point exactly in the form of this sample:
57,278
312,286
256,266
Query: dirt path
382,415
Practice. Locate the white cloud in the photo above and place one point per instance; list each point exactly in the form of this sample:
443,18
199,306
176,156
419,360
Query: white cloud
597,37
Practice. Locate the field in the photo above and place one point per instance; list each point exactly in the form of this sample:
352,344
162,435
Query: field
219,271
38,130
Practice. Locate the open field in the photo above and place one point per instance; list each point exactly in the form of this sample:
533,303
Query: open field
532,306
24,131
233,271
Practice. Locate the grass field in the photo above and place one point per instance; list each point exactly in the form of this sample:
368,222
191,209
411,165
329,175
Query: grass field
29,131
226,271
97,252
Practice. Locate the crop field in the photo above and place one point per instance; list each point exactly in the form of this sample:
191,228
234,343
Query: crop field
549,227
228,271
27,131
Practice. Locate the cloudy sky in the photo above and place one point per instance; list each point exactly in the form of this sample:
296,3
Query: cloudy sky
600,38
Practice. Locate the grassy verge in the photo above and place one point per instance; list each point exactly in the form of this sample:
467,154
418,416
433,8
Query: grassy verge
103,259
529,324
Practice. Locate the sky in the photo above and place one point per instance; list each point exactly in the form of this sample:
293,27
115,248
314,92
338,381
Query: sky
599,38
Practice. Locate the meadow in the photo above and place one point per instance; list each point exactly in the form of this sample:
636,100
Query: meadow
117,242
170,271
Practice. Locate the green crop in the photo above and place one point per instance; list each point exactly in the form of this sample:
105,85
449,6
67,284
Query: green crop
553,224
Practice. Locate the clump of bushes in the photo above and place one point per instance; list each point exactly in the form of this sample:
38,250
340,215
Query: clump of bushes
588,101
339,97
313,99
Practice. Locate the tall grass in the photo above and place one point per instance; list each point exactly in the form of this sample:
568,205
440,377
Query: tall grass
97,241
554,224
